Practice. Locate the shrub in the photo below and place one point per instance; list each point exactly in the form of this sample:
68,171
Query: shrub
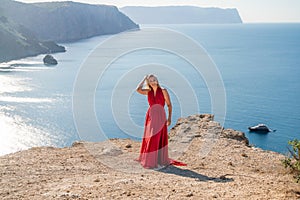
293,160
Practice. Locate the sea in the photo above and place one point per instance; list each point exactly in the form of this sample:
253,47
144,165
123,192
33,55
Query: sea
250,74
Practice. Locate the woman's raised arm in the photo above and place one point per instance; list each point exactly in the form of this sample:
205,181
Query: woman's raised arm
140,86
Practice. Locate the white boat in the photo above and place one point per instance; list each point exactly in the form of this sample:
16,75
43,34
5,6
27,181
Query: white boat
260,128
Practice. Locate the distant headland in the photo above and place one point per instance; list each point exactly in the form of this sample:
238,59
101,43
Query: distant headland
32,29
182,15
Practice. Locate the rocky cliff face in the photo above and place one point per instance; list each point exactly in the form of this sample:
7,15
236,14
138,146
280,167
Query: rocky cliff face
30,29
16,42
181,15
204,128
68,21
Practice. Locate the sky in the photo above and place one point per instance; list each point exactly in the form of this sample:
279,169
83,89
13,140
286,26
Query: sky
251,11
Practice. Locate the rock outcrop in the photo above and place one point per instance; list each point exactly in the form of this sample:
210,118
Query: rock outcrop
49,60
220,165
181,15
204,127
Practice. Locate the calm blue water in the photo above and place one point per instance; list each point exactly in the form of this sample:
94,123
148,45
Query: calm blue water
259,65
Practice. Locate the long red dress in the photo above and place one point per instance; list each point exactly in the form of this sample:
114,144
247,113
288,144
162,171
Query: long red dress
154,149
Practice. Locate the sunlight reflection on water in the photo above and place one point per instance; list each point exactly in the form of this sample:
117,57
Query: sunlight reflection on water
17,134
25,100
25,64
16,131
12,85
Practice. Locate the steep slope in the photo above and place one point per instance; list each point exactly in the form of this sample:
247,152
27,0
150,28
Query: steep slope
67,21
17,42
30,29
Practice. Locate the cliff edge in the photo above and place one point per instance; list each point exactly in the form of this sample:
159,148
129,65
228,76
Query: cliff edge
221,165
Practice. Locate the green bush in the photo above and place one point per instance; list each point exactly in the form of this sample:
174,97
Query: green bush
293,160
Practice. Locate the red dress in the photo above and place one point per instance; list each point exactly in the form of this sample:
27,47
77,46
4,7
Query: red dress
154,149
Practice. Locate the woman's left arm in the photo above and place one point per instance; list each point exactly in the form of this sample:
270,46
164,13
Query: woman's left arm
169,104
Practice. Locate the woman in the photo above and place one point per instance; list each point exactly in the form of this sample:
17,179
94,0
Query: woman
154,149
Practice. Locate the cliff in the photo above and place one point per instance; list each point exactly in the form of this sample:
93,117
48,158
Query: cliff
221,165
16,42
181,15
32,29
67,21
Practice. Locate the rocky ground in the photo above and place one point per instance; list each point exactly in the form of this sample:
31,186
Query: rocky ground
220,165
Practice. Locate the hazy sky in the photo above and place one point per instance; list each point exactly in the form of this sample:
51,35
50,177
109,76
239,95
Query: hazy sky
250,10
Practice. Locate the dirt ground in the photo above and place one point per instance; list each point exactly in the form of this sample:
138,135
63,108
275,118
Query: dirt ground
221,167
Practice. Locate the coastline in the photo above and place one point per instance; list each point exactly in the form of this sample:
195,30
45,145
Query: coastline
244,108
229,169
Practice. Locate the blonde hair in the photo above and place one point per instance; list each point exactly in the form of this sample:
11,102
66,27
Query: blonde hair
152,75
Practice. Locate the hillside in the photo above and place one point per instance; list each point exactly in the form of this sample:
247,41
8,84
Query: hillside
220,165
67,21
181,15
32,29
16,42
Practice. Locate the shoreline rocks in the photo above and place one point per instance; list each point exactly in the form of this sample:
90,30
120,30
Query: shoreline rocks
49,60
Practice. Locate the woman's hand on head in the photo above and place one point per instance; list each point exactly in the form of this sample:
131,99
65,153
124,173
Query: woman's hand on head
146,77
